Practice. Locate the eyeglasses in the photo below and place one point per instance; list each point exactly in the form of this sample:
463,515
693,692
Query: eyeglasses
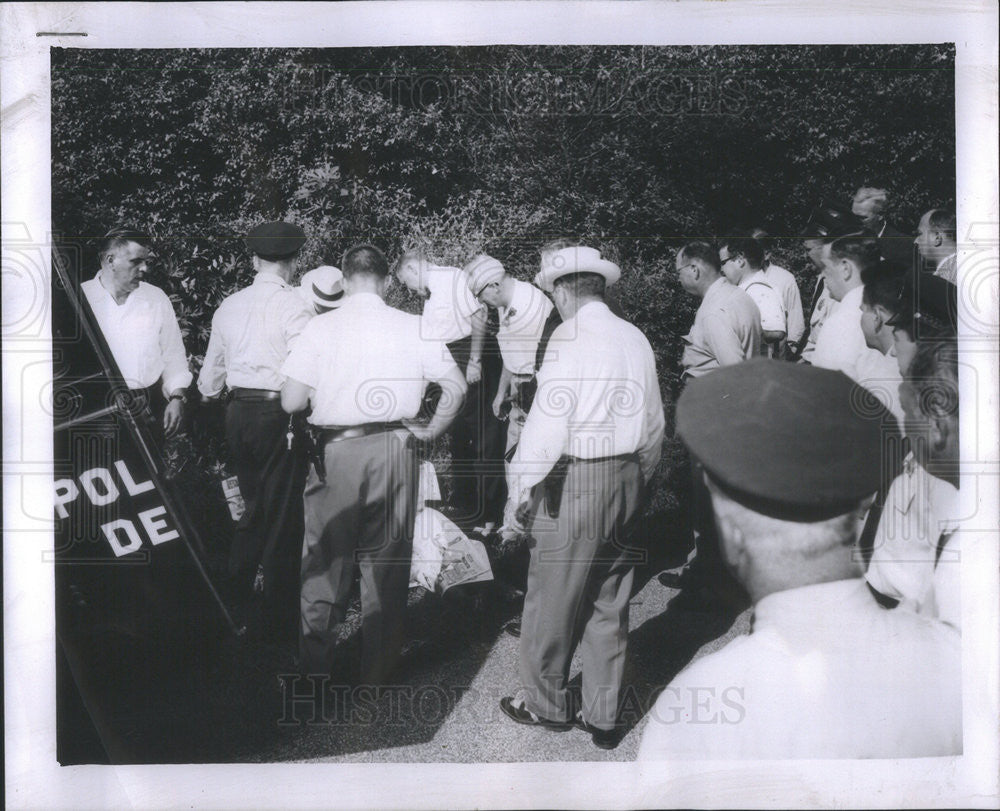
685,267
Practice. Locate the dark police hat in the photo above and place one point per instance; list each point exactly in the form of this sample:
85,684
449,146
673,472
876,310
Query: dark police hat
830,220
275,240
928,308
787,440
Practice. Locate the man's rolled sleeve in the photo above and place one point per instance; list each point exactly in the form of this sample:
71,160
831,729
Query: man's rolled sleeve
654,424
176,373
212,376
436,360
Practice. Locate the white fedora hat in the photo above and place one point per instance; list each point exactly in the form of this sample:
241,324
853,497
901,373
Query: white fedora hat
323,286
578,259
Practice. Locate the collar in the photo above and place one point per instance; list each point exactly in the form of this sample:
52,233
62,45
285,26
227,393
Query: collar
715,287
949,258
366,301
100,282
853,296
270,278
810,606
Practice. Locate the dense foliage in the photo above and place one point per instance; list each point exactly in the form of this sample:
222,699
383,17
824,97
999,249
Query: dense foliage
633,149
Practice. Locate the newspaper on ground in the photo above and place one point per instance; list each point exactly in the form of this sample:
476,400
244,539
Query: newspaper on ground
443,556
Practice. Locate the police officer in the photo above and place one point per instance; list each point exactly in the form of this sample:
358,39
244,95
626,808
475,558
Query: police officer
588,450
252,332
364,369
824,672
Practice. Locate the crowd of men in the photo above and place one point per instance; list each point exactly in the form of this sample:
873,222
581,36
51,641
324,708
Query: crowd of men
823,453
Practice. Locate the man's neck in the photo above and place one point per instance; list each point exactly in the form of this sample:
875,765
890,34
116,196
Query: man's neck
281,271
120,296
708,286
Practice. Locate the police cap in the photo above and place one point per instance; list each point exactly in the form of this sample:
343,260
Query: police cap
830,220
276,240
787,440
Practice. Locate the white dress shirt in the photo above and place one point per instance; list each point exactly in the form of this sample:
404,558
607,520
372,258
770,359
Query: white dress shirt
366,362
448,311
822,307
919,509
947,268
841,343
772,311
142,334
597,396
825,673
521,325
251,334
791,299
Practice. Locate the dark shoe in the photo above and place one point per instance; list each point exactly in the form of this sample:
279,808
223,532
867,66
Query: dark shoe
602,738
522,715
683,579
514,627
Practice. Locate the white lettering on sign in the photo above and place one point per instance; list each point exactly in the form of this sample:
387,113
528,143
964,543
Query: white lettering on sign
111,530
130,484
66,491
99,474
122,534
155,526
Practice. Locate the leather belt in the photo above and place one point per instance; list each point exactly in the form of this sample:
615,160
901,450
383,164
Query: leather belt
255,394
336,433
622,457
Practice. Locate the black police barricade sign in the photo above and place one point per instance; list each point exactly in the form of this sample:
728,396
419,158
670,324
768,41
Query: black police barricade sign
132,585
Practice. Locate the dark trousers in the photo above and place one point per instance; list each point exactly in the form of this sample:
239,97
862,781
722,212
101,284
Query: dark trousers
363,515
269,534
579,584
478,441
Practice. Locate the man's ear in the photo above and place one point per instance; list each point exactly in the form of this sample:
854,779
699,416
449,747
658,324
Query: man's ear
938,239
941,431
846,269
881,316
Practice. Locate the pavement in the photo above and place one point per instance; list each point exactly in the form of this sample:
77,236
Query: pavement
233,700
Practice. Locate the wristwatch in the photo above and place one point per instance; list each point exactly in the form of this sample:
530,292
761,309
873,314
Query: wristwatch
182,397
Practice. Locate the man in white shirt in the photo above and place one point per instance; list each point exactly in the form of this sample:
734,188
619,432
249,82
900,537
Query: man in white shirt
252,331
523,310
841,344
914,562
742,262
826,222
139,325
364,368
883,287
587,452
787,288
452,314
824,672
936,243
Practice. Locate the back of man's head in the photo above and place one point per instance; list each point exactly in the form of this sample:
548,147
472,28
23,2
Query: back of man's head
943,221
743,244
364,260
884,284
701,252
859,249
582,285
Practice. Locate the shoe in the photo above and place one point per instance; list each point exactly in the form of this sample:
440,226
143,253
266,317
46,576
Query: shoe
522,715
602,738
685,578
514,627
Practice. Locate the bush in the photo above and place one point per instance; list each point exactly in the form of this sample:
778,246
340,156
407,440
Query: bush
496,149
